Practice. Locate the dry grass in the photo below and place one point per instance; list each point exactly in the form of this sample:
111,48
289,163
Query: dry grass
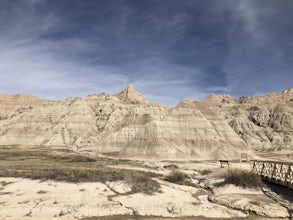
141,182
178,177
242,178
171,166
205,172
35,163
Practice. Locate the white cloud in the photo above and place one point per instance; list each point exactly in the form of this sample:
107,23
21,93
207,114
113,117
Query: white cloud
255,55
33,60
48,68
248,13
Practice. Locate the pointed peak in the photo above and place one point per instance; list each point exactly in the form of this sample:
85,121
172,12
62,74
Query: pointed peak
130,95
130,86
129,89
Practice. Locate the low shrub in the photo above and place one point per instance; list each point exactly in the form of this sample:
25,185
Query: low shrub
171,166
242,178
142,182
205,172
177,176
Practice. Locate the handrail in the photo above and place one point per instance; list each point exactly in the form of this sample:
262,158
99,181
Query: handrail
274,171
273,161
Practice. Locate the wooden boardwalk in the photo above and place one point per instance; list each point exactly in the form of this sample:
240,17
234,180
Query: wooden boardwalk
274,171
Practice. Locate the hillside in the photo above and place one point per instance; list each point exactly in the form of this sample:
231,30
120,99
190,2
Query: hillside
127,125
263,122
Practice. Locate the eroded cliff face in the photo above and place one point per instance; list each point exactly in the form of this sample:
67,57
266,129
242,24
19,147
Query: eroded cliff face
127,125
263,122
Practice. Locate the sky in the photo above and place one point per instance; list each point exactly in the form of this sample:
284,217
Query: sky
168,49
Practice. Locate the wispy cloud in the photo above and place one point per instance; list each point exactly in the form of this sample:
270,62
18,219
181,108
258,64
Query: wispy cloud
168,50
47,67
259,54
246,12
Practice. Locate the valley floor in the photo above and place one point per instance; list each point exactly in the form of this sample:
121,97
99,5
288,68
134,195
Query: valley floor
112,196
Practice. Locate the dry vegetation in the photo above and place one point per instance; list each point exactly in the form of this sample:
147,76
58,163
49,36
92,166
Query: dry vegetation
36,163
178,177
205,172
242,178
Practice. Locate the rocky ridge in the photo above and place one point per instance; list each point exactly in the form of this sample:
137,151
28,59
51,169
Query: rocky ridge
263,122
127,125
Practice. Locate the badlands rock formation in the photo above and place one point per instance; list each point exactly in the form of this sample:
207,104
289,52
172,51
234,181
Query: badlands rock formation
127,125
263,122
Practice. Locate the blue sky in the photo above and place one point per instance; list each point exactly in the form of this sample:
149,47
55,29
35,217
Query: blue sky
168,49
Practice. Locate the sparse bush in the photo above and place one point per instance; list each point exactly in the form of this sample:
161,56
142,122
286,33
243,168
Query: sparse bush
177,176
171,166
242,178
205,172
142,182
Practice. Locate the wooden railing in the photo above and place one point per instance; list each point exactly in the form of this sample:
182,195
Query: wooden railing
274,171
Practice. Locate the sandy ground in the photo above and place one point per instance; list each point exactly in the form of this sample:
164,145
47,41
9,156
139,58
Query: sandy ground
32,199
35,199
